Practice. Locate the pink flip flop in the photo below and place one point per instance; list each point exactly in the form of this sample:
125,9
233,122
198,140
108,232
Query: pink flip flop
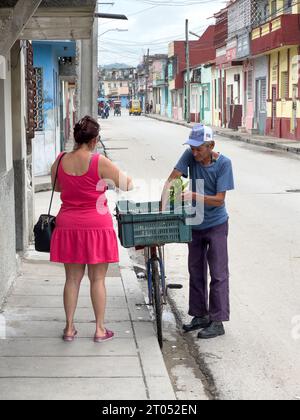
108,336
70,338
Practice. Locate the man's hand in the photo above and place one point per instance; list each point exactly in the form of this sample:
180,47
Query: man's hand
188,196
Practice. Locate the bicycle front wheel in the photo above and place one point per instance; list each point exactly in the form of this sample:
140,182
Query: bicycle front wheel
157,301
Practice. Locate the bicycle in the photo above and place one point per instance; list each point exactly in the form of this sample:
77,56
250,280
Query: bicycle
145,226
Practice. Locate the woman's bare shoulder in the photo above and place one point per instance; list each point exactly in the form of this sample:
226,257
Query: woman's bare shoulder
62,154
105,162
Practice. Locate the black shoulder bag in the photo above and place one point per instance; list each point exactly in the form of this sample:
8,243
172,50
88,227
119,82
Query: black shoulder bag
45,226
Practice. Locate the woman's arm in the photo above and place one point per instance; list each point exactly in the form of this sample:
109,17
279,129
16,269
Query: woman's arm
113,175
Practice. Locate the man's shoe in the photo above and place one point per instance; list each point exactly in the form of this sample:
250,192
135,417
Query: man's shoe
216,329
197,324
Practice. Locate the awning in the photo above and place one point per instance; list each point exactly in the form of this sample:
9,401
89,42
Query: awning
56,20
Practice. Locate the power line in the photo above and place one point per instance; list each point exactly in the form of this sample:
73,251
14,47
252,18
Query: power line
174,3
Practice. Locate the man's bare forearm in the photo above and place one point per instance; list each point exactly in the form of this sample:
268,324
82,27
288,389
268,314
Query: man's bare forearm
209,200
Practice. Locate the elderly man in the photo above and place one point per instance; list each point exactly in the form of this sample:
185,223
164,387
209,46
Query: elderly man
209,244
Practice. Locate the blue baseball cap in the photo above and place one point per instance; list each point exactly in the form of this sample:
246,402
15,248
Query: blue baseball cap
200,135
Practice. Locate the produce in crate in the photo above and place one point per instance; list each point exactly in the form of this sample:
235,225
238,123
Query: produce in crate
176,191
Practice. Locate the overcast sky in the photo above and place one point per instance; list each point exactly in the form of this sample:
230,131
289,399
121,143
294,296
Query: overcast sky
152,24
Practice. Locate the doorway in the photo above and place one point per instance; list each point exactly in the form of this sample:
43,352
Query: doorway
229,102
294,112
274,103
261,105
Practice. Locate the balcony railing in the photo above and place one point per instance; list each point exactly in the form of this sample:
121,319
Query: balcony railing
281,31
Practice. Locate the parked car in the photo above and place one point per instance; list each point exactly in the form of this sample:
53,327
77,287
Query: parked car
135,107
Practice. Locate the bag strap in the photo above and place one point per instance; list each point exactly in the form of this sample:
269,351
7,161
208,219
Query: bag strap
55,180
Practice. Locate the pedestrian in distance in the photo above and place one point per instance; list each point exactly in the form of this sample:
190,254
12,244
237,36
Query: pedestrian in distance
151,107
84,236
209,243
107,110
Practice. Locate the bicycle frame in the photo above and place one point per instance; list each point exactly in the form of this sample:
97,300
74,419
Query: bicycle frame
152,256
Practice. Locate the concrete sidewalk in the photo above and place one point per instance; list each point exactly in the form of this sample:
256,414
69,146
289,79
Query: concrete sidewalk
284,145
36,364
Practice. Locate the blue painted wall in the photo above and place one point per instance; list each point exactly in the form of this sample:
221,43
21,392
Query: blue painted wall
124,101
46,55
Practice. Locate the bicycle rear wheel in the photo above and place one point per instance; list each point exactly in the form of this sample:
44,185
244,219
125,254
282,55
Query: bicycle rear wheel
157,301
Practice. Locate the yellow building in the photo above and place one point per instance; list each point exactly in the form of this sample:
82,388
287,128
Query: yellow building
279,39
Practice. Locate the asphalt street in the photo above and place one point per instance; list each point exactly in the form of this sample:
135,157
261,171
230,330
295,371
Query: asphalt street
259,356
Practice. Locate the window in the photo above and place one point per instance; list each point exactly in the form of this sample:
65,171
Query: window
284,84
250,85
170,71
216,95
121,84
288,4
266,13
194,97
274,8
263,95
206,96
174,70
181,100
174,99
243,46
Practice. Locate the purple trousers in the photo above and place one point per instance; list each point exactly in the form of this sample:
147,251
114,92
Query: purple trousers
209,248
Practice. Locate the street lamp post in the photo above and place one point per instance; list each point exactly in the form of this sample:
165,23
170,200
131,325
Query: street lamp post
113,30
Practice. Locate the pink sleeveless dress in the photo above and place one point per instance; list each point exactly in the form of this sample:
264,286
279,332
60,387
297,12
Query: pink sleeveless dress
84,232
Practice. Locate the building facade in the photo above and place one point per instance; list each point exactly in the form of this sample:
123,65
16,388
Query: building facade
203,55
117,84
278,38
158,73
33,21
219,73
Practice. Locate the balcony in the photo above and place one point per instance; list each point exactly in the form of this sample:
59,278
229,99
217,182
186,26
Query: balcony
159,82
279,32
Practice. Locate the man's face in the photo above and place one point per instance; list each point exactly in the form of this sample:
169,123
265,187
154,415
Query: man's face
203,152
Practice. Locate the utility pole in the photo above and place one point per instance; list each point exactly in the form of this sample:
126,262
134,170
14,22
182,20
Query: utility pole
147,79
188,83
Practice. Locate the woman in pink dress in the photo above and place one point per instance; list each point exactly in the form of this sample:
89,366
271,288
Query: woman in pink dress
84,233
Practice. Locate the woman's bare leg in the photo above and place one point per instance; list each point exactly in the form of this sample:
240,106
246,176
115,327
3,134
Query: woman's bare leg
97,274
74,276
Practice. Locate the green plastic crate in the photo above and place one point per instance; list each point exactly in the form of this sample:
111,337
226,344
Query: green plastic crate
143,224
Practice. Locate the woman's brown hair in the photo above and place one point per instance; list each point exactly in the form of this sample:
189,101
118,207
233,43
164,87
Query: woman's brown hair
86,130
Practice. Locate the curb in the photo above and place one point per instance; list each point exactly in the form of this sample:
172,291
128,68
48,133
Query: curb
261,143
249,140
42,187
140,324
